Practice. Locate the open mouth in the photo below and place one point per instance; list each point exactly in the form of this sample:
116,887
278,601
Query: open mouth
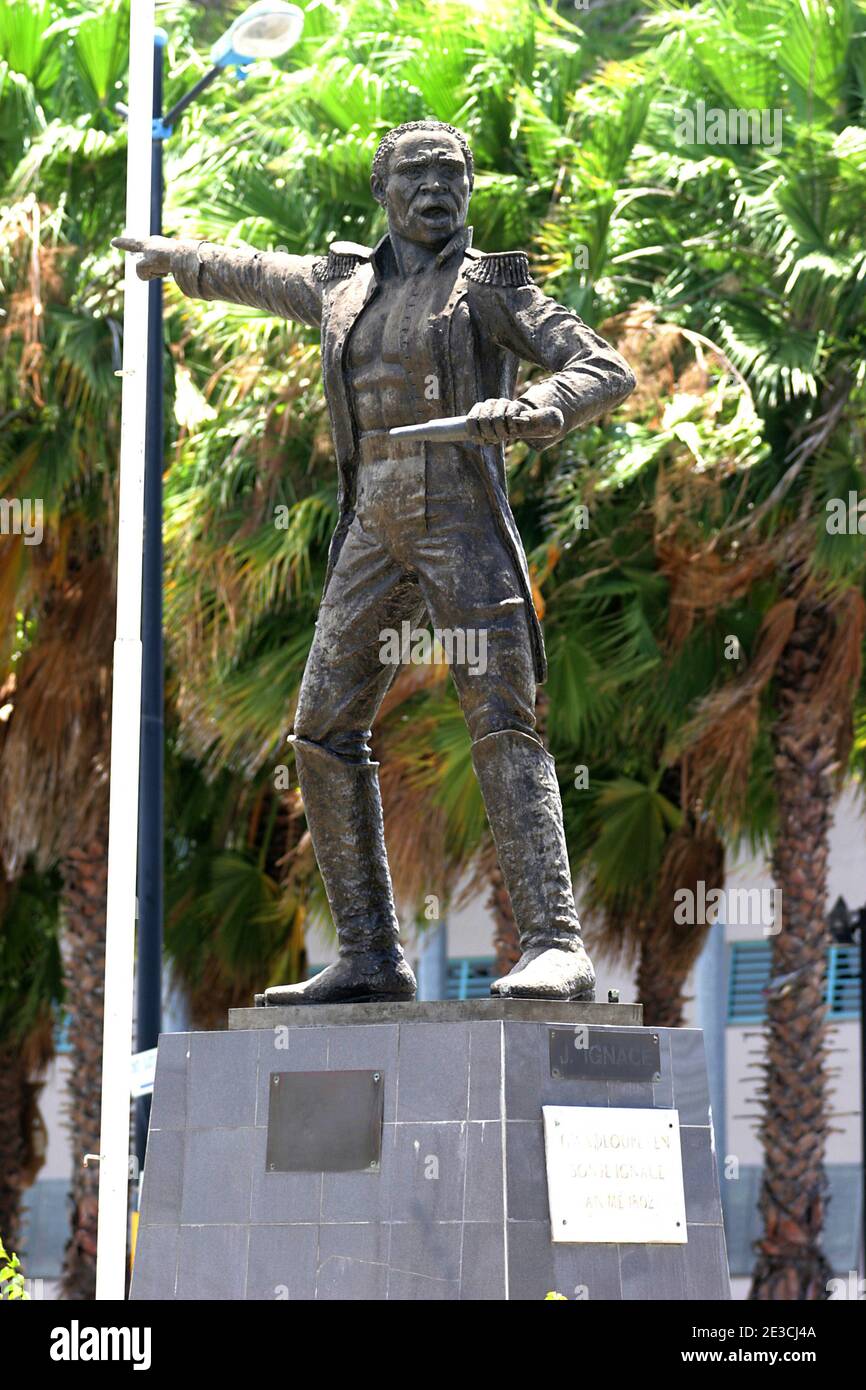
434,210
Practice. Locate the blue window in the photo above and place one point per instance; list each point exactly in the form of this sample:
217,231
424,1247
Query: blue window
470,977
62,1045
843,981
749,977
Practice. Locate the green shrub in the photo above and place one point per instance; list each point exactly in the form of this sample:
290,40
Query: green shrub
11,1278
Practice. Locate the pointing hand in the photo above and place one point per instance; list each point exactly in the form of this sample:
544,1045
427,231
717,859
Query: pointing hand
156,257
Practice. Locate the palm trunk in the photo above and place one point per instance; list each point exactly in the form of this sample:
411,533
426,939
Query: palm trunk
506,939
791,1264
660,984
694,859
210,1002
85,874
14,1098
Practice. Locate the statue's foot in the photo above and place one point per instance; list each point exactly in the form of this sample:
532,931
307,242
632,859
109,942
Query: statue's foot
366,977
549,972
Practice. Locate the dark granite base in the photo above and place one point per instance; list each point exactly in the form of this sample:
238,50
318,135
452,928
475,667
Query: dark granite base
458,1206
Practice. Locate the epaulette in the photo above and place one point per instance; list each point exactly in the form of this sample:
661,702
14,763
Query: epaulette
342,259
500,268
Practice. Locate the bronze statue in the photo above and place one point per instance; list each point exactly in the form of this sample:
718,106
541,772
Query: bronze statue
417,329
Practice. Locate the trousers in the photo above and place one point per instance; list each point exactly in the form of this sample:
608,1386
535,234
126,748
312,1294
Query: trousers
423,543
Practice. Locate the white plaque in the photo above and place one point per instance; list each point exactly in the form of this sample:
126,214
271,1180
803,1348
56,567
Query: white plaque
615,1175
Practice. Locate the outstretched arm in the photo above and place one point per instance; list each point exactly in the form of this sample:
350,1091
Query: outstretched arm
284,285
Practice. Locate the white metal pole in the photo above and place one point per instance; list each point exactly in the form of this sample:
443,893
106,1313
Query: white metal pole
126,693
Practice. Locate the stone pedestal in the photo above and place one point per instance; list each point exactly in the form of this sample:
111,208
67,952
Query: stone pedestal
453,1203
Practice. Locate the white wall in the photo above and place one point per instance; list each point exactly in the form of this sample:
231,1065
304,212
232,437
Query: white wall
53,1104
744,1048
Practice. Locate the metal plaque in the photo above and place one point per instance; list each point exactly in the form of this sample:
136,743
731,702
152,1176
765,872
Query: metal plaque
325,1121
583,1053
614,1176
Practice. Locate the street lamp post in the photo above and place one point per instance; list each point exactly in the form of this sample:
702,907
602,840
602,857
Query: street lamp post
113,1156
265,30
148,1002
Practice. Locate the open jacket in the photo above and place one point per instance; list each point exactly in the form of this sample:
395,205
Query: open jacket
489,316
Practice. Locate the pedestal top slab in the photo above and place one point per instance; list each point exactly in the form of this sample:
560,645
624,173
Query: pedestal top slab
440,1011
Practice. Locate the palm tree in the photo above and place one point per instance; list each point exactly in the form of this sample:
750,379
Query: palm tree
63,196
788,311
238,872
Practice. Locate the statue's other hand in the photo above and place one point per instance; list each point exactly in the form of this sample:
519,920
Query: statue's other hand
156,254
500,419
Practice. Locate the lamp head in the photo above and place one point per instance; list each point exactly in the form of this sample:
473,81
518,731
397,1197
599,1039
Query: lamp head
264,30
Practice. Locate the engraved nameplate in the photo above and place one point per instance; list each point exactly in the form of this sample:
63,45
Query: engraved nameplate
614,1175
604,1054
325,1121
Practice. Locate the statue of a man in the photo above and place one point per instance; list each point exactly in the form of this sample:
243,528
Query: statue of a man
418,328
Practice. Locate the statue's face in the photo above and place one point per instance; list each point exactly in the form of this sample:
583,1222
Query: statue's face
426,189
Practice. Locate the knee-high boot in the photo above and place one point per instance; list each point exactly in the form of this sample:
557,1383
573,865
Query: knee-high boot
521,795
344,815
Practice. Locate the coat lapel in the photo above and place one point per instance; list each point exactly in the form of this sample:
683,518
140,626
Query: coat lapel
465,374
343,303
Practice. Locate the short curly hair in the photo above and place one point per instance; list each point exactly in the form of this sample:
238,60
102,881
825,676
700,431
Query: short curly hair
389,140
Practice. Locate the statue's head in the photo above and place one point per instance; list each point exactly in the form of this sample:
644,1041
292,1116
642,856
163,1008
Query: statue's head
422,176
